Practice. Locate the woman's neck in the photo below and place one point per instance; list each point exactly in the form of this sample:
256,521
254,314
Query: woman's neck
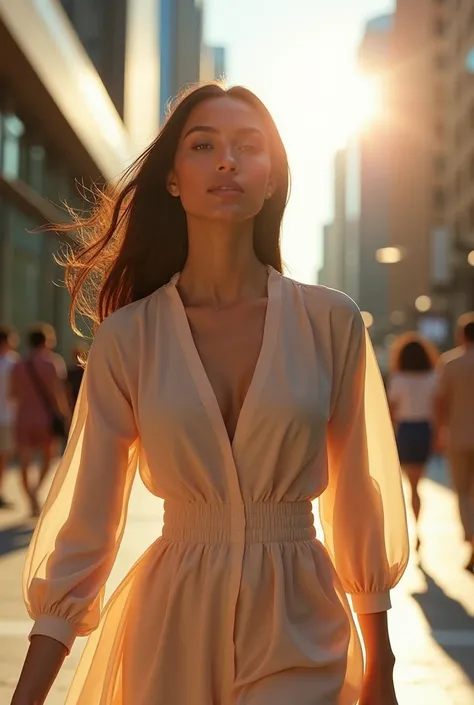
222,266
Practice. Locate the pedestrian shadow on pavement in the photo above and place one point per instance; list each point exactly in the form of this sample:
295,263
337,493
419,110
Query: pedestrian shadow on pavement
451,626
15,538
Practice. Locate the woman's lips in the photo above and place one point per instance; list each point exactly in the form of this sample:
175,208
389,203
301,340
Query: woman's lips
226,188
226,191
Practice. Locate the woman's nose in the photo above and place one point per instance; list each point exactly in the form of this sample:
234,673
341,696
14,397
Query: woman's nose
227,162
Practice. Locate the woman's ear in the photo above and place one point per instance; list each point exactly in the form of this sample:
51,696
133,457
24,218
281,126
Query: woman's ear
270,190
172,184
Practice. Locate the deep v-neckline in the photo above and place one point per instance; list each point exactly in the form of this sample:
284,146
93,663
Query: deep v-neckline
197,369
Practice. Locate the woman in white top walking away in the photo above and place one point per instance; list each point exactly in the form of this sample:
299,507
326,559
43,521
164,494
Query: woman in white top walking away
411,390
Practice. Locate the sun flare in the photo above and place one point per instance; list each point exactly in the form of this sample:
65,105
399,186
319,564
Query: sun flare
353,102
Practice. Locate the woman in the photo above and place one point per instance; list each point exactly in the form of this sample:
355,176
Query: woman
240,395
411,393
38,393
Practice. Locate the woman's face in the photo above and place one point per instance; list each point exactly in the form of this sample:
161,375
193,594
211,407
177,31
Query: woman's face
222,168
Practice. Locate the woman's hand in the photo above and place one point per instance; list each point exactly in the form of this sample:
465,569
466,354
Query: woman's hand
378,688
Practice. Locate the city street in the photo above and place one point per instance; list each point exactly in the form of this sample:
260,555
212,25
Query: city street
432,621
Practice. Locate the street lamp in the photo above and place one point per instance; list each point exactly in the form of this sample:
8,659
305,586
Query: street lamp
423,304
389,255
470,258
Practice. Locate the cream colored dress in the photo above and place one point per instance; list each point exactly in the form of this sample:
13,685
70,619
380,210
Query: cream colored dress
237,603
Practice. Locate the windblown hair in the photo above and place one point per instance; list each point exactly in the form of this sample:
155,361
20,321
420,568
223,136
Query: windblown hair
135,238
412,353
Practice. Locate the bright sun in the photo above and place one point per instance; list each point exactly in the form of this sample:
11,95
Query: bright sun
352,101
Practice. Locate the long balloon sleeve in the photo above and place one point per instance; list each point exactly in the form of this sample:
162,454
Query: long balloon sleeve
363,509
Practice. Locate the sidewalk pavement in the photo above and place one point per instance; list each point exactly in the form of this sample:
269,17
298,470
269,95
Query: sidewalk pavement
432,621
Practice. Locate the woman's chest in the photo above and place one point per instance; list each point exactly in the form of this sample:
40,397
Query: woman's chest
228,343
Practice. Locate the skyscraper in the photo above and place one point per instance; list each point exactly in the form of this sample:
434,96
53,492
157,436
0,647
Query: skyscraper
459,175
181,47
185,58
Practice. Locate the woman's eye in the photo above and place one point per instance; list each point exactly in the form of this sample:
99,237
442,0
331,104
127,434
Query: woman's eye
248,148
202,146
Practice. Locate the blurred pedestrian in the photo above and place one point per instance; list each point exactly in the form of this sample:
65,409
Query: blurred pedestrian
455,422
8,359
75,373
242,395
411,392
41,409
49,349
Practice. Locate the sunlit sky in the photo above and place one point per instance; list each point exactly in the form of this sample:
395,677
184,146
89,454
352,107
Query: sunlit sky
299,57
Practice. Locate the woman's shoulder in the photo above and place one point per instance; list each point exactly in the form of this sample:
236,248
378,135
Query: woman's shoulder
323,301
123,325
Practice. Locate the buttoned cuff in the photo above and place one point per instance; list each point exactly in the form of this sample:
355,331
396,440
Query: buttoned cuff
55,627
371,602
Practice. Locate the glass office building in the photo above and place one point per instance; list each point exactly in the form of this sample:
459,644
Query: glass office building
63,122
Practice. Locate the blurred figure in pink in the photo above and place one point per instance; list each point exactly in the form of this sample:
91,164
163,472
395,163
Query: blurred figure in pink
411,392
42,407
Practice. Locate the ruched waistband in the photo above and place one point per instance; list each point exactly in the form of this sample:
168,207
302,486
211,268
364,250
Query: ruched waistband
252,522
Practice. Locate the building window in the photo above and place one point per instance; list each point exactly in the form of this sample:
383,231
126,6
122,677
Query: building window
36,167
12,132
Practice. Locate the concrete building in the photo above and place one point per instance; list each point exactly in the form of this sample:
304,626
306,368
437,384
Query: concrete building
460,153
419,94
60,124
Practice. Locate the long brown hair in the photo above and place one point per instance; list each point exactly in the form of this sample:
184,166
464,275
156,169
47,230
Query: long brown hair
136,238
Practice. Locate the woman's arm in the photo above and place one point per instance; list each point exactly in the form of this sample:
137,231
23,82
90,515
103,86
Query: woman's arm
42,664
363,509
378,650
378,687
